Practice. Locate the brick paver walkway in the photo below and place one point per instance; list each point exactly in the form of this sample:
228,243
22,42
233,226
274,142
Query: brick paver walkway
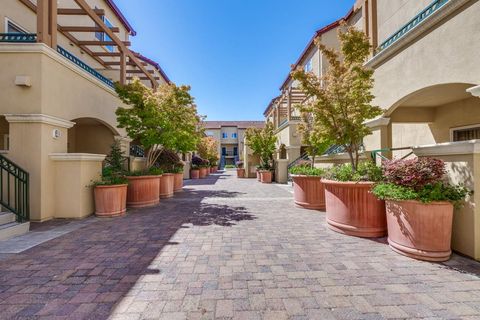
229,248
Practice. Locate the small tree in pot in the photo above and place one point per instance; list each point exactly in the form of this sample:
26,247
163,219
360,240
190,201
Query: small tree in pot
110,192
196,164
263,143
341,103
308,188
159,120
240,169
172,179
419,206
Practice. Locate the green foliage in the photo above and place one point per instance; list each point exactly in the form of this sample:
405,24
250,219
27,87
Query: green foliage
162,119
207,148
366,171
263,143
306,170
342,98
152,171
433,192
169,162
113,172
229,166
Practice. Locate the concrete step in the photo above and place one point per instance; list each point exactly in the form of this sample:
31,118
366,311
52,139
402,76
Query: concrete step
6,217
12,229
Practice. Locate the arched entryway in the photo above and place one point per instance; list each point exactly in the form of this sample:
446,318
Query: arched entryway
90,135
436,114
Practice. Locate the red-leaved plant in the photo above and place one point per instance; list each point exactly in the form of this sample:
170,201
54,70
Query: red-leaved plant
414,173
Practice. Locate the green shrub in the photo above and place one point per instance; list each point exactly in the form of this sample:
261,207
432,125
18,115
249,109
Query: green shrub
153,171
229,166
366,171
433,192
306,170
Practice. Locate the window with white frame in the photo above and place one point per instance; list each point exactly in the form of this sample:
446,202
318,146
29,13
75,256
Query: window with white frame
224,135
308,65
104,37
465,133
234,135
12,27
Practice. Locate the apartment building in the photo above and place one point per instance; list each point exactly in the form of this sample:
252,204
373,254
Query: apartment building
426,79
60,60
230,136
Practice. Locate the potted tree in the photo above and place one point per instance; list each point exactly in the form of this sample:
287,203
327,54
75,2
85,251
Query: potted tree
156,120
340,105
240,169
172,178
110,193
262,142
308,188
195,170
419,206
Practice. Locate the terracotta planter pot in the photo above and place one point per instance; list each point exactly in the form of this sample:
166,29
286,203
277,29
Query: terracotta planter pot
213,170
203,173
167,182
178,182
352,209
421,231
195,174
308,192
143,191
266,176
208,171
240,173
110,201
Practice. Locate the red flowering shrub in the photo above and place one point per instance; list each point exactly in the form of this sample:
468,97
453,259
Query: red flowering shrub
414,173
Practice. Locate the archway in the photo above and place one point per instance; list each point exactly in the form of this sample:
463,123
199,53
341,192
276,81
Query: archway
90,135
435,114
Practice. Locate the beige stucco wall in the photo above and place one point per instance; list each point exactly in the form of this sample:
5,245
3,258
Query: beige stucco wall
90,139
392,15
74,177
419,62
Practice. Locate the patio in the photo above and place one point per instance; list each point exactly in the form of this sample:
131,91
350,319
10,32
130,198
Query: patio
226,248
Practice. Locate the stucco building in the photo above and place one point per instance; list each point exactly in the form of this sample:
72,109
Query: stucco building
59,62
230,137
426,80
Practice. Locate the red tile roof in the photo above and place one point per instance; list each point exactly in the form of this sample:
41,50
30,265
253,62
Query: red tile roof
238,124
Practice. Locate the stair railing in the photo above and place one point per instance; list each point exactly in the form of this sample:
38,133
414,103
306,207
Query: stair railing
14,189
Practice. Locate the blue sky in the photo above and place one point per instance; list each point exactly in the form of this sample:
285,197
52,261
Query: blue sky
233,53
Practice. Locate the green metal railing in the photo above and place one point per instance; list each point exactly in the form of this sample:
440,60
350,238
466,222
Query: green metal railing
419,18
378,153
14,189
18,37
85,66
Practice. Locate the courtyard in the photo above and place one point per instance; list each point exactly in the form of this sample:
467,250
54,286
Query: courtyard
225,248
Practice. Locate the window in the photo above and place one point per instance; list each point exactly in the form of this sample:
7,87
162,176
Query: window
308,65
12,27
234,135
102,36
224,135
465,133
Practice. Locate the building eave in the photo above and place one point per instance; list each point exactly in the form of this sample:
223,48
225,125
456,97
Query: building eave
121,17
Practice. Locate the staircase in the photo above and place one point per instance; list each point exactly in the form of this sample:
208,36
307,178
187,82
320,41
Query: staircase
14,199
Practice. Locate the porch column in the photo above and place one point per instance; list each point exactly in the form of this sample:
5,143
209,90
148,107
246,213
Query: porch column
289,104
123,67
47,22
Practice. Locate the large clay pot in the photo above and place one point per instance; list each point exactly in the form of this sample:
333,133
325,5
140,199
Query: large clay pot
110,201
178,182
203,173
240,173
266,176
419,230
213,169
352,209
207,171
308,192
167,182
143,191
194,174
